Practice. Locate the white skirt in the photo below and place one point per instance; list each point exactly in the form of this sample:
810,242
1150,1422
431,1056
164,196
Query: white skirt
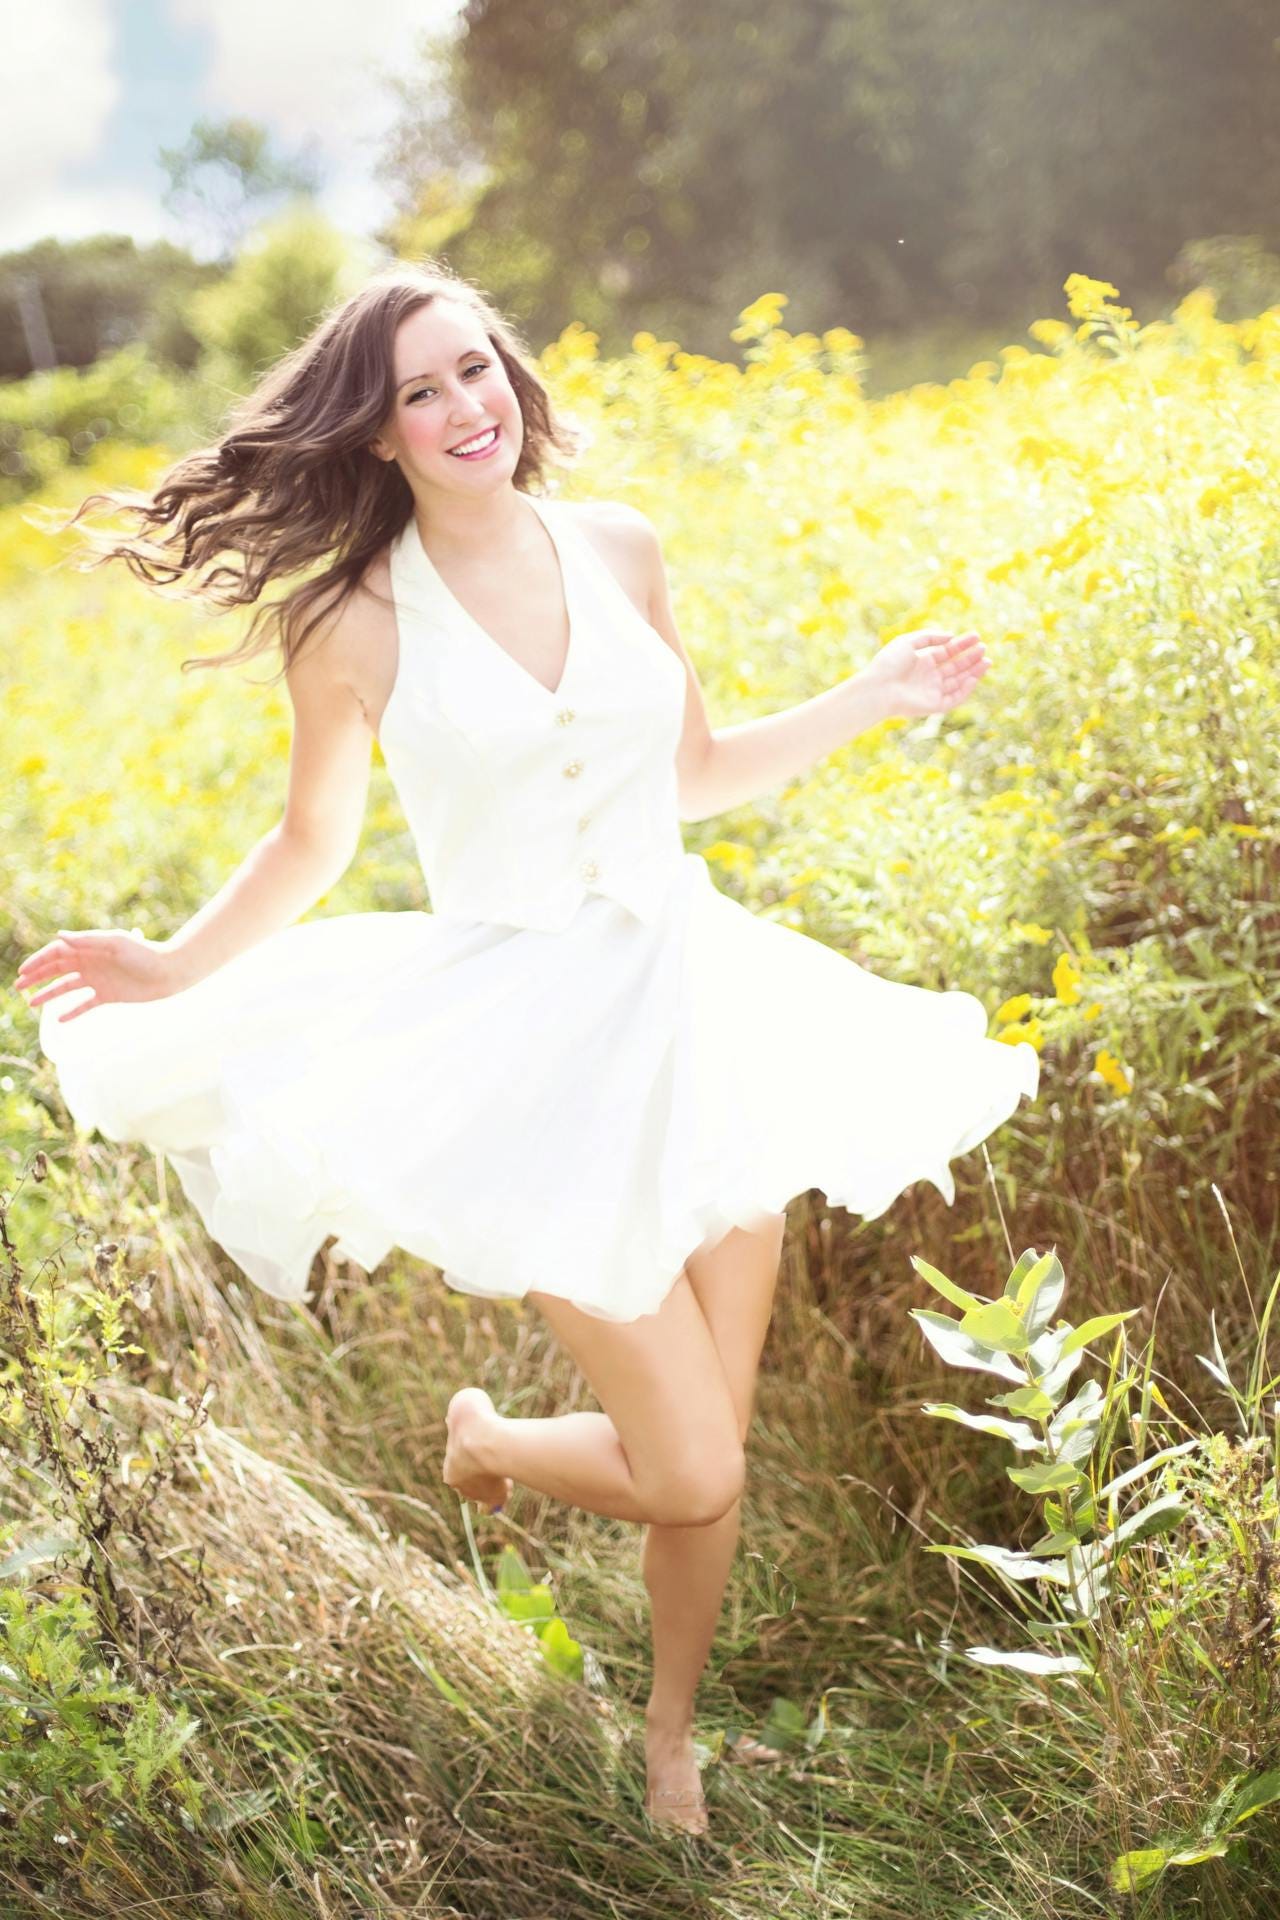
572,1112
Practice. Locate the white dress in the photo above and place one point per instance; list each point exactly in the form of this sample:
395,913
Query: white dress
585,1062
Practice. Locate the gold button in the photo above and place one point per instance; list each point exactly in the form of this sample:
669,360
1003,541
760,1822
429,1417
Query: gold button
591,871
584,821
571,769
564,716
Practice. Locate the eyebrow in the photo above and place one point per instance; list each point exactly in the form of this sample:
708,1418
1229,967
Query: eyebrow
431,376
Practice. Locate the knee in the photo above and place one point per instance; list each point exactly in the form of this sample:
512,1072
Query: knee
702,1490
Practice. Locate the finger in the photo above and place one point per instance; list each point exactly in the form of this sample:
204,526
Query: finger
38,967
86,1006
59,986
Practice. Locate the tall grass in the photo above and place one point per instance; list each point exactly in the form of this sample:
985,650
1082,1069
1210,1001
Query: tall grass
260,1661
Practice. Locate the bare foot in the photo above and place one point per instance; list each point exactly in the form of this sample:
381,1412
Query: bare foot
469,1419
673,1794
752,1752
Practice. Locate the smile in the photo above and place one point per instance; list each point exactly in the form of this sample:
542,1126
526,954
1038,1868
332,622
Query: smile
481,444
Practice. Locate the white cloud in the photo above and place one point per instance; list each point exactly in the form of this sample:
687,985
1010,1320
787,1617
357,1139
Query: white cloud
312,71
57,91
311,68
71,213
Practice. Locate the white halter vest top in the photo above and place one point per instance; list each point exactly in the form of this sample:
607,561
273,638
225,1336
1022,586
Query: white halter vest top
522,801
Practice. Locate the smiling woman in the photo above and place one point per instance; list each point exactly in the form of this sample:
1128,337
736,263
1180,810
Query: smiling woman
587,1078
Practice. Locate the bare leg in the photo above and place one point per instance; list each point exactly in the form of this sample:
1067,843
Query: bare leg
666,1447
686,1569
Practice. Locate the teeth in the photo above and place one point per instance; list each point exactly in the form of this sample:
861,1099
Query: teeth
481,440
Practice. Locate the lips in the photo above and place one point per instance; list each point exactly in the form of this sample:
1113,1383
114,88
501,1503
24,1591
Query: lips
478,443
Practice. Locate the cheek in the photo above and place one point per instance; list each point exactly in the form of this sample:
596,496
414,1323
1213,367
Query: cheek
420,429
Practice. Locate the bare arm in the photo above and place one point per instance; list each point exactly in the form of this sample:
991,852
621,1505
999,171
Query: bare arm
306,853
726,767
285,873
925,671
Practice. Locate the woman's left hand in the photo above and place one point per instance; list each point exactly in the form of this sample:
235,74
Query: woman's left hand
927,671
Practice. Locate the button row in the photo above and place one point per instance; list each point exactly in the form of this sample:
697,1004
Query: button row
590,869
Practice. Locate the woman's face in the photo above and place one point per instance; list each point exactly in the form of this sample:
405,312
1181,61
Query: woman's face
451,386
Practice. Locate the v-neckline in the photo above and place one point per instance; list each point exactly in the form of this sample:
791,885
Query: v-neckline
434,574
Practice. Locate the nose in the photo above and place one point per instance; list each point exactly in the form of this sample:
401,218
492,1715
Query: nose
465,408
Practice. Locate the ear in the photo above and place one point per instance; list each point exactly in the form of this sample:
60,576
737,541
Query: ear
380,450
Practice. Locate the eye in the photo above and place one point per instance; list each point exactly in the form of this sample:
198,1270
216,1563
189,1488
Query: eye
476,366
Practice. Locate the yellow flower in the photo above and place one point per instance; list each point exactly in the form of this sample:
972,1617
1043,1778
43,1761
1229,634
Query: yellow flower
1015,1008
1050,333
1109,1069
760,317
1028,930
1085,296
731,854
1092,1011
1066,980
1030,1030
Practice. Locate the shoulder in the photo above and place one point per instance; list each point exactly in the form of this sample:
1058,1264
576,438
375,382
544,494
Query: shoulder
614,520
626,540
352,634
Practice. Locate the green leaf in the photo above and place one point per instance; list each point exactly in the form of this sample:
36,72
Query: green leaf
997,1325
1014,1566
784,1724
1202,1850
1040,1293
561,1652
1129,1871
947,1288
1031,1401
1046,1663
1081,1406
1093,1330
512,1575
1017,1432
1028,1259
537,1604
1159,1516
1050,1477
1257,1793
958,1349
1058,1541
1078,1442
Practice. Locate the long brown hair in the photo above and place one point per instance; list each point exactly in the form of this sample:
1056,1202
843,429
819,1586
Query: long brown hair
291,482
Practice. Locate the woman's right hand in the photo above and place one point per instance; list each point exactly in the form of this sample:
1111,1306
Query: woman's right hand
116,965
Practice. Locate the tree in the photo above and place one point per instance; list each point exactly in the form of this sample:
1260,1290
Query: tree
67,302
655,166
226,178
286,276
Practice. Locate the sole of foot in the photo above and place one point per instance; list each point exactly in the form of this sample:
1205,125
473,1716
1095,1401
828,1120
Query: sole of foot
468,1414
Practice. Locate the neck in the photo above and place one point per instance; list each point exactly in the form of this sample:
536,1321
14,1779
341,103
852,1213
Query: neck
453,526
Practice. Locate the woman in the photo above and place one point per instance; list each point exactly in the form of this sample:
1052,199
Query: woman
586,1078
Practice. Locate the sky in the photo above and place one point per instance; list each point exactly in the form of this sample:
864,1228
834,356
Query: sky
91,89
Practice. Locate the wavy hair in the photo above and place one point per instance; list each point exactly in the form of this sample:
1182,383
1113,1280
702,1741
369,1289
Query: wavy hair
291,484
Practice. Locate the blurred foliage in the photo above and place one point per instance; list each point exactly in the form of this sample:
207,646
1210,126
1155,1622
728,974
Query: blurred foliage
640,166
95,296
291,269
57,419
226,177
